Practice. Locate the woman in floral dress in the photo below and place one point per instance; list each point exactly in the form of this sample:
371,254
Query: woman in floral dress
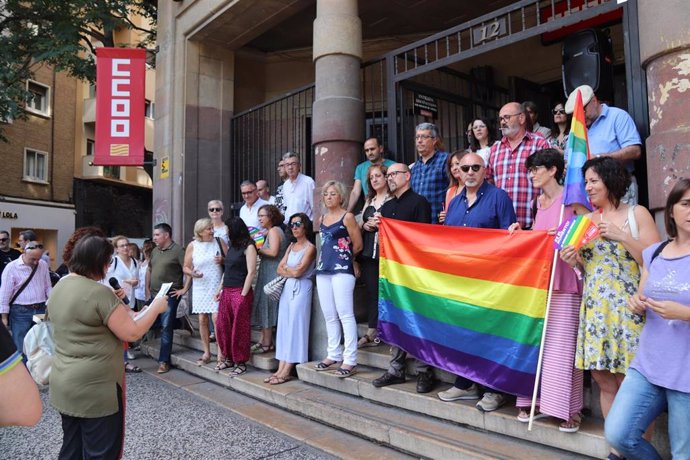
609,333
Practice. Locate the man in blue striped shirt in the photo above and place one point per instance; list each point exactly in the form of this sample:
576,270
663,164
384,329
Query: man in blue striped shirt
429,176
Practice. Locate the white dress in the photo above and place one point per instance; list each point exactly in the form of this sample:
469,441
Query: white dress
204,288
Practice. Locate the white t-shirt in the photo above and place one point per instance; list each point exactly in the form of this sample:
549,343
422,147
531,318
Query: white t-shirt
250,216
298,196
119,270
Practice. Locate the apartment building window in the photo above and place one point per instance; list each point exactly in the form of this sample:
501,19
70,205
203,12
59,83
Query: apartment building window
111,172
35,166
38,101
148,109
90,147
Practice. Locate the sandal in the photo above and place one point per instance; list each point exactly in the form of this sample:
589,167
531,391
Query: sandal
324,366
365,341
280,380
259,348
132,369
239,369
523,416
341,372
203,360
572,425
269,378
222,365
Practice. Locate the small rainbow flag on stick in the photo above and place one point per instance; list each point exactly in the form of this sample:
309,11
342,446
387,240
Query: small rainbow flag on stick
576,153
576,231
467,300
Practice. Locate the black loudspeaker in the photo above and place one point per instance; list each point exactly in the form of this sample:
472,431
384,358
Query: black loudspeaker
588,60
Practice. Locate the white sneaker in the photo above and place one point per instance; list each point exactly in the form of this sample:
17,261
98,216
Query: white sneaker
491,402
130,355
455,394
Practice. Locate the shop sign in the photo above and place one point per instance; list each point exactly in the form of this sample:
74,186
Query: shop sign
120,101
8,215
425,106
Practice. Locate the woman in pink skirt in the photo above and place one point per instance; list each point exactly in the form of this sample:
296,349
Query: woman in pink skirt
561,383
233,330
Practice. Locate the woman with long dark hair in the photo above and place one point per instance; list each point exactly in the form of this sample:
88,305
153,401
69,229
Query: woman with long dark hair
481,138
561,128
235,294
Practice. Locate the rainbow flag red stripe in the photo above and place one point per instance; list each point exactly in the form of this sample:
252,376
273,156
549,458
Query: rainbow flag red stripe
470,301
576,153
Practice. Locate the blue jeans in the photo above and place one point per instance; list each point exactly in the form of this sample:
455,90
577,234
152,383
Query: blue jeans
21,320
638,402
167,318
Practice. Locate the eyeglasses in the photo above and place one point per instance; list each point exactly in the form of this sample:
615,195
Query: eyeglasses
215,209
423,136
2,240
558,111
249,192
29,248
296,224
475,168
394,173
508,117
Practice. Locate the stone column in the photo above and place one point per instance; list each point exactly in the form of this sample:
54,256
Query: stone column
338,118
665,56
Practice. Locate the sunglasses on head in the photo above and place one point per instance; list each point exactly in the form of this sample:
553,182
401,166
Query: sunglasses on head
296,224
36,246
475,168
215,209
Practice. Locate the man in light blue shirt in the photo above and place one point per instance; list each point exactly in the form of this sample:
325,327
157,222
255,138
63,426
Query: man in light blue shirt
611,132
373,150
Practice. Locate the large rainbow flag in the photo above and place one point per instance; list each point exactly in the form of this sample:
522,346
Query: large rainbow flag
470,301
576,153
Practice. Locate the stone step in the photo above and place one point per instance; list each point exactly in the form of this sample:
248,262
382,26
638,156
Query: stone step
589,441
266,361
403,430
379,356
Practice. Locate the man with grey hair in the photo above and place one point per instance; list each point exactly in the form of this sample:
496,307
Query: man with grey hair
25,236
298,189
249,211
429,177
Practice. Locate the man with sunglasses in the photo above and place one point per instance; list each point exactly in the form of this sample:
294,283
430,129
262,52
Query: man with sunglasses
7,254
250,209
411,207
24,291
506,165
479,205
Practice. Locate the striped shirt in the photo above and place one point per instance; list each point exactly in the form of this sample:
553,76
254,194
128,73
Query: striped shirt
13,277
506,167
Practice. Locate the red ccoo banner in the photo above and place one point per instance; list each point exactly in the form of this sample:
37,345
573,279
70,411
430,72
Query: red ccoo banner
120,93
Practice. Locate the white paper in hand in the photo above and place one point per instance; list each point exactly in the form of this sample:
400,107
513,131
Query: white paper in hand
163,291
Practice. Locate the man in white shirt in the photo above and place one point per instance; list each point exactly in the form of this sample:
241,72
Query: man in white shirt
252,203
298,189
264,192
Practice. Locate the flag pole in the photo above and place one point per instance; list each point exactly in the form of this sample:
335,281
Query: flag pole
543,331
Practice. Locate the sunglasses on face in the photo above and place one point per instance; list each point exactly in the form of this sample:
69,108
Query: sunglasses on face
475,168
558,111
2,240
296,224
29,248
215,209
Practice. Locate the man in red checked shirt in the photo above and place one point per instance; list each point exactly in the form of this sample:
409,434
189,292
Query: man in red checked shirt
506,165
